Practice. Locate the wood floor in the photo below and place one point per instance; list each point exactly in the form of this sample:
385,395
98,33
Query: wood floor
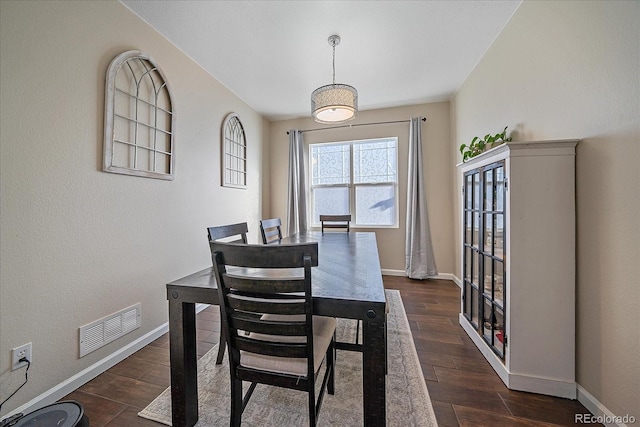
464,390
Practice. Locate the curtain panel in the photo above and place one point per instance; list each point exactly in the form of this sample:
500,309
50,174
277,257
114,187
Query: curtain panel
296,194
419,260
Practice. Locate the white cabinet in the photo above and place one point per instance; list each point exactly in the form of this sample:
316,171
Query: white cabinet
518,269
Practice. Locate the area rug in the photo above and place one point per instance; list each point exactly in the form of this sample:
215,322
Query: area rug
408,402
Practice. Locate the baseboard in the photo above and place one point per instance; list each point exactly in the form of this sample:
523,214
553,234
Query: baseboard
387,272
514,381
600,413
402,273
547,386
67,386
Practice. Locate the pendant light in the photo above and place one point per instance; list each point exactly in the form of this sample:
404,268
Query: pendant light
334,103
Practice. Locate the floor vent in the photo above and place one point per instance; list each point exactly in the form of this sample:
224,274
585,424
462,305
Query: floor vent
101,332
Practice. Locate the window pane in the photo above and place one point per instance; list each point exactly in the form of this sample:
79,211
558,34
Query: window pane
476,230
499,236
375,205
474,306
330,164
468,191
499,189
488,233
374,161
330,201
488,275
362,184
476,191
498,277
488,190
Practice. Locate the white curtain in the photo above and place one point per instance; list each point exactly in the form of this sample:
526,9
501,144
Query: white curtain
296,197
420,263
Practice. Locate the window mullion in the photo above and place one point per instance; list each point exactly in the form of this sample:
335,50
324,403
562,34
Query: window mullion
352,187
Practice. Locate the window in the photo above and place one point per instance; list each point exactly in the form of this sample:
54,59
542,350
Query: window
358,178
234,153
139,118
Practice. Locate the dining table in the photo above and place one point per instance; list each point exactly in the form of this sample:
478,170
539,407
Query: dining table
347,283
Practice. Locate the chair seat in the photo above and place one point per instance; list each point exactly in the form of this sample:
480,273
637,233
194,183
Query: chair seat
323,331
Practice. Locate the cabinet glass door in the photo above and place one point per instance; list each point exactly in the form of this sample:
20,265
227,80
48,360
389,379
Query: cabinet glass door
492,328
472,239
483,292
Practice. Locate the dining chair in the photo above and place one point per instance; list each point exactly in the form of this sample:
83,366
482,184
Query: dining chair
335,221
286,344
224,232
271,230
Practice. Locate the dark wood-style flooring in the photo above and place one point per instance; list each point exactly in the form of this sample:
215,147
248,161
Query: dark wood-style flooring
464,390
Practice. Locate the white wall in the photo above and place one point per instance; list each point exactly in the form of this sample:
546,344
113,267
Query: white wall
438,165
570,69
77,243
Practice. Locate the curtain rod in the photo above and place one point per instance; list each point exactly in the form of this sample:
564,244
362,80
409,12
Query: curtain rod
424,119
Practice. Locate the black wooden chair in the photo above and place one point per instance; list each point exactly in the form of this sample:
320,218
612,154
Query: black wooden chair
227,232
223,231
286,343
335,221
271,230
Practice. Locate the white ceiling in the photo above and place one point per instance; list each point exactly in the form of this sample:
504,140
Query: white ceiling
273,54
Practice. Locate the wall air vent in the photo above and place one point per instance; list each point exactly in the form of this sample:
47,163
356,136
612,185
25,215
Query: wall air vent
101,332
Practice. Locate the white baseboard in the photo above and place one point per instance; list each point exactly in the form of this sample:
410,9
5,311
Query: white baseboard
515,381
387,272
600,412
402,273
67,386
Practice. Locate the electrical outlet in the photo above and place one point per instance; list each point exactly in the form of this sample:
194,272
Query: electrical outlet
18,353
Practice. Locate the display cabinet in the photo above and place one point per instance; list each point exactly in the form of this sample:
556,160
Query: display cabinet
483,258
518,262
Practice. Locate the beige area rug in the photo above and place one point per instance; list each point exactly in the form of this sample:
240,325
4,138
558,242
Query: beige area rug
408,402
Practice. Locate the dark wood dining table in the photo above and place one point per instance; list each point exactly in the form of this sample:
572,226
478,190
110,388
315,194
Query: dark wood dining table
347,283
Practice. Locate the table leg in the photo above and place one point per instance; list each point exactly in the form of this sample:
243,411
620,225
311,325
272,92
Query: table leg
183,359
374,362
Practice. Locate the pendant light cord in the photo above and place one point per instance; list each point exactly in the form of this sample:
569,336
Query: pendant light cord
334,62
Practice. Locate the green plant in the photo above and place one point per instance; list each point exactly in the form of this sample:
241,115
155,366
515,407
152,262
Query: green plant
479,145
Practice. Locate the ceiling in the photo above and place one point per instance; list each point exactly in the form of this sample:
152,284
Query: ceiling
273,54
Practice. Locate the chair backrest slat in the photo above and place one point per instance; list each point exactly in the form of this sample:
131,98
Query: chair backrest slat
335,221
257,286
287,255
289,328
271,230
224,231
277,349
266,306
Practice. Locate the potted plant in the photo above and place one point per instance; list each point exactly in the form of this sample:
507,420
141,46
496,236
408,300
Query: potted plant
478,145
